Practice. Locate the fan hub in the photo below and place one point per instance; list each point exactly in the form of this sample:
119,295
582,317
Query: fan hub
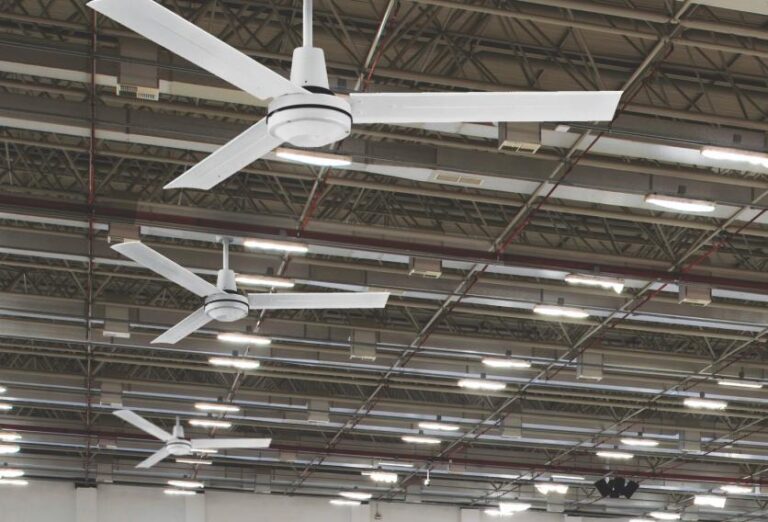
226,307
309,120
179,447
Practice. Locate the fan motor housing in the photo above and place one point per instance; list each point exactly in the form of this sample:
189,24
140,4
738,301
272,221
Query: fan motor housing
226,307
309,120
179,447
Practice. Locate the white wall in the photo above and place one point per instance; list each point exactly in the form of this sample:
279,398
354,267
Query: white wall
44,501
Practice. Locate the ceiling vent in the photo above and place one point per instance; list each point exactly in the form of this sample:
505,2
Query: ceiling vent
457,179
136,77
425,267
520,137
698,295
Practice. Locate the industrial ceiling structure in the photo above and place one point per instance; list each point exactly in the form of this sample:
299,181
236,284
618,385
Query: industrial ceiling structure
469,227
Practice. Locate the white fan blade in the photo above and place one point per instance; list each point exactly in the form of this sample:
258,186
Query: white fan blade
240,152
318,300
183,328
154,458
199,444
143,424
448,107
166,28
158,263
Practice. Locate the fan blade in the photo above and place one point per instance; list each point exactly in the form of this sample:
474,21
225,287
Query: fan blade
183,328
143,424
318,300
448,107
154,458
198,444
158,263
166,28
240,152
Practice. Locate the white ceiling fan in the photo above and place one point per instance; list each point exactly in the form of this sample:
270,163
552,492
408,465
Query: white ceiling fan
303,110
224,303
177,445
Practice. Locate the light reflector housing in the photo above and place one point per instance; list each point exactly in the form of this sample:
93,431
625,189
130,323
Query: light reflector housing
665,515
513,507
386,477
194,462
736,489
616,455
545,488
278,246
714,501
705,404
217,406
438,426
608,283
501,362
343,502
13,482
179,492
257,280
734,383
355,495
481,384
4,406
420,439
234,362
560,311
743,156
680,204
8,449
11,473
309,157
639,442
185,484
210,423
240,338
9,436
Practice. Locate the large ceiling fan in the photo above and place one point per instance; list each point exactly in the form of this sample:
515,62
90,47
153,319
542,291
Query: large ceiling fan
303,111
224,303
177,445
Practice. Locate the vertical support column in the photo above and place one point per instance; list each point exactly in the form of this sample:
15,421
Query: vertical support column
194,508
86,505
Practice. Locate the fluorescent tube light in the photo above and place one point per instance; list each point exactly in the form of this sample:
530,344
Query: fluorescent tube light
210,423
744,156
343,502
234,362
705,404
513,507
419,439
665,515
279,246
217,406
13,482
608,283
394,464
10,473
735,489
8,449
272,282
355,495
495,512
3,389
567,477
618,455
4,406
680,204
9,436
560,311
208,451
185,484
500,362
179,492
640,442
381,476
239,338
319,159
740,384
546,488
438,426
481,384
194,462
714,501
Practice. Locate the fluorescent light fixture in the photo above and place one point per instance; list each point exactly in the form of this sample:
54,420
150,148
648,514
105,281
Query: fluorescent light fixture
641,520
4,406
640,442
343,502
10,473
319,159
560,311
438,426
714,501
567,477
500,362
419,439
735,489
234,362
272,282
9,436
545,488
355,495
494,512
665,515
205,451
740,384
210,423
216,406
513,507
680,204
617,455
3,389
194,462
185,484
381,476
481,384
744,156
705,404
394,464
279,246
7,449
13,482
608,283
179,492
239,338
